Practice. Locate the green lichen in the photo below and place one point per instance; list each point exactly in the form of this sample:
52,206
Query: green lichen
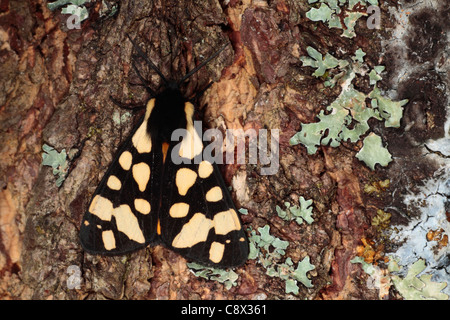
323,13
373,152
314,134
317,61
347,117
298,213
410,287
391,111
56,160
269,250
367,267
243,211
72,7
293,276
346,120
415,287
226,276
350,22
359,55
330,11
272,247
374,74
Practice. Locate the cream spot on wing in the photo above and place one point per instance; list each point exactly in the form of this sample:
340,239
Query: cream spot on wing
114,183
197,228
179,210
149,108
192,144
194,231
205,169
141,138
141,174
125,160
216,252
109,242
127,223
214,194
226,221
142,205
185,179
101,207
86,223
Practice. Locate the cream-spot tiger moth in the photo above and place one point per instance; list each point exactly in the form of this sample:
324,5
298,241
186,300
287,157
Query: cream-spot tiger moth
145,198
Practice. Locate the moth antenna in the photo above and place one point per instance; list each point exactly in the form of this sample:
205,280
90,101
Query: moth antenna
144,56
201,65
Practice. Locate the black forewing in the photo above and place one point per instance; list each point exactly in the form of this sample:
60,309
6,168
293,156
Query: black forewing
94,224
235,242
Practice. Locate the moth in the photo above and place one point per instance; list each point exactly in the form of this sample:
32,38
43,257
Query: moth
148,198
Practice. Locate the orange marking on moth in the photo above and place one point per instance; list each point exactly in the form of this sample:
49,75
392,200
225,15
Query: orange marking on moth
158,228
165,147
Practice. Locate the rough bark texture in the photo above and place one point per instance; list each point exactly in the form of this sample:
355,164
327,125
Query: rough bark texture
55,86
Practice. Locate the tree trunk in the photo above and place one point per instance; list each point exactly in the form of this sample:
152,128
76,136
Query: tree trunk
55,88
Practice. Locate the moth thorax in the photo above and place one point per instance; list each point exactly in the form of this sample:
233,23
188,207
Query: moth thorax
167,115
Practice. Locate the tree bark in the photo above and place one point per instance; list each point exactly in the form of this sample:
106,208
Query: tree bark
55,88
